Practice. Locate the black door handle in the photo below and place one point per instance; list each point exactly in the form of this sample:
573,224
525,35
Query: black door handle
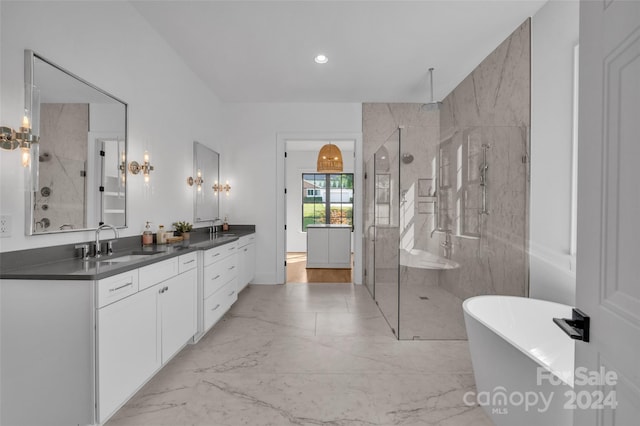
577,327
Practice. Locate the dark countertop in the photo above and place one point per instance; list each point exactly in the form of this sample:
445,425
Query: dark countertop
328,225
78,269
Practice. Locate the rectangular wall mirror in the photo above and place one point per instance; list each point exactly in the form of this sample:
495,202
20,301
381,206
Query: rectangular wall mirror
82,154
206,164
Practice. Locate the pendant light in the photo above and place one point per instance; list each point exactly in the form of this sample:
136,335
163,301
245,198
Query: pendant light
330,159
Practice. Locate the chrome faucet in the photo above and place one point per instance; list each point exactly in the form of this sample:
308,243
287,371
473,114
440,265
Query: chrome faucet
212,228
98,248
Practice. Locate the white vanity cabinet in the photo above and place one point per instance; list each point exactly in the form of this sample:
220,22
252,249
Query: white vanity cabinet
246,260
328,246
140,332
218,287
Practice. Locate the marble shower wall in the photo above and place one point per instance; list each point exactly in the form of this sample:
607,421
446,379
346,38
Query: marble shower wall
491,106
62,166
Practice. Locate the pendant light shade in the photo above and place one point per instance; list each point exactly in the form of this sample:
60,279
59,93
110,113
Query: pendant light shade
330,159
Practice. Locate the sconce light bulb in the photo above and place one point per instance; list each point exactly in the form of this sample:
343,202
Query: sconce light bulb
146,157
25,122
26,157
146,178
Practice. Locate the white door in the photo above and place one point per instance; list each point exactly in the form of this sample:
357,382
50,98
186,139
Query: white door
608,287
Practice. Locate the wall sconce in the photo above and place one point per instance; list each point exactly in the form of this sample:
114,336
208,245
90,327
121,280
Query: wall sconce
145,167
219,187
24,139
198,180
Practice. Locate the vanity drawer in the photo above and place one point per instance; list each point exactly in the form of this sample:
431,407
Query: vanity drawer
216,305
218,274
231,291
158,272
188,261
219,253
117,287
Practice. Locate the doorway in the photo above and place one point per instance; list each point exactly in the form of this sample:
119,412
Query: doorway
298,155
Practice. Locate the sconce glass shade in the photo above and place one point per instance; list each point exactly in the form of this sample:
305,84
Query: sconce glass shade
330,159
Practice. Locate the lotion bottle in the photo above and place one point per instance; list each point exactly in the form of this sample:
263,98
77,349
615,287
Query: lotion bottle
225,224
147,235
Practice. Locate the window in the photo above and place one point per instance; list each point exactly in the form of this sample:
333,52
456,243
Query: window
327,199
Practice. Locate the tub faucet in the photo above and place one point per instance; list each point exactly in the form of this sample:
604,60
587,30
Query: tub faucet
97,247
447,244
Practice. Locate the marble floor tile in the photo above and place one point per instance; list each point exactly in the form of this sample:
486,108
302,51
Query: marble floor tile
270,362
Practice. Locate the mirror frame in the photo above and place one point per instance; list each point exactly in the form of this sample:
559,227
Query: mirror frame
30,199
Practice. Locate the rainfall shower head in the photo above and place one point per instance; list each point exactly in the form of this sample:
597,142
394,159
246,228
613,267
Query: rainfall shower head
432,105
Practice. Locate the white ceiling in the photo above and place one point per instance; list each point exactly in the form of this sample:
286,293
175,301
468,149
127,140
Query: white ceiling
379,51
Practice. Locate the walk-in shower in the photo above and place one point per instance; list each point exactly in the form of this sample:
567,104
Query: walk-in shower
448,225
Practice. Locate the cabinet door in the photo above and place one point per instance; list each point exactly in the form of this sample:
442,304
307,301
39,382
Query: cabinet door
178,312
127,348
340,247
246,265
317,243
250,263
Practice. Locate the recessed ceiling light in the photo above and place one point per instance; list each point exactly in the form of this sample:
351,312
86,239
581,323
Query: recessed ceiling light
321,59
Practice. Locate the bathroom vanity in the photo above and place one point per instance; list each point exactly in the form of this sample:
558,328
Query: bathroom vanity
80,337
328,246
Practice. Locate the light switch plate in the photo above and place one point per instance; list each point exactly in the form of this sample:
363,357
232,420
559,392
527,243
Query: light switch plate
5,226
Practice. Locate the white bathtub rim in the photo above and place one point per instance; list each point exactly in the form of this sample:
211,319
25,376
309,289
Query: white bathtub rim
564,374
422,259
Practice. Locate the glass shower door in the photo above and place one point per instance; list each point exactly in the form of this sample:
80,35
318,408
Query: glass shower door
386,203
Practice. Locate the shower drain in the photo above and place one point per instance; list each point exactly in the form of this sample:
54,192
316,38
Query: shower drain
424,298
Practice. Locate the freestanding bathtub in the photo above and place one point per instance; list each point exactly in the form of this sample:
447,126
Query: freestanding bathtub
522,362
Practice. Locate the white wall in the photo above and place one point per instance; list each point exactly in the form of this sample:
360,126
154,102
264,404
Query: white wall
111,46
299,162
552,266
252,129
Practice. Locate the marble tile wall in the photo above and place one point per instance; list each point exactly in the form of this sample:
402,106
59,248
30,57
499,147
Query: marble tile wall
61,166
492,106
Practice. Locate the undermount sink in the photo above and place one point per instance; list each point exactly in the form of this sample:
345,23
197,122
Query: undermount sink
120,259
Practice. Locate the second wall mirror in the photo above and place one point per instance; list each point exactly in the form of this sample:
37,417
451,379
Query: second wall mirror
206,164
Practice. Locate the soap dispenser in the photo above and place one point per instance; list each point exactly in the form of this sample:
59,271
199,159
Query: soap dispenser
225,225
161,235
147,235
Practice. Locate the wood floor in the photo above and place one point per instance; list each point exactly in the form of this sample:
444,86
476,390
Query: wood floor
298,273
